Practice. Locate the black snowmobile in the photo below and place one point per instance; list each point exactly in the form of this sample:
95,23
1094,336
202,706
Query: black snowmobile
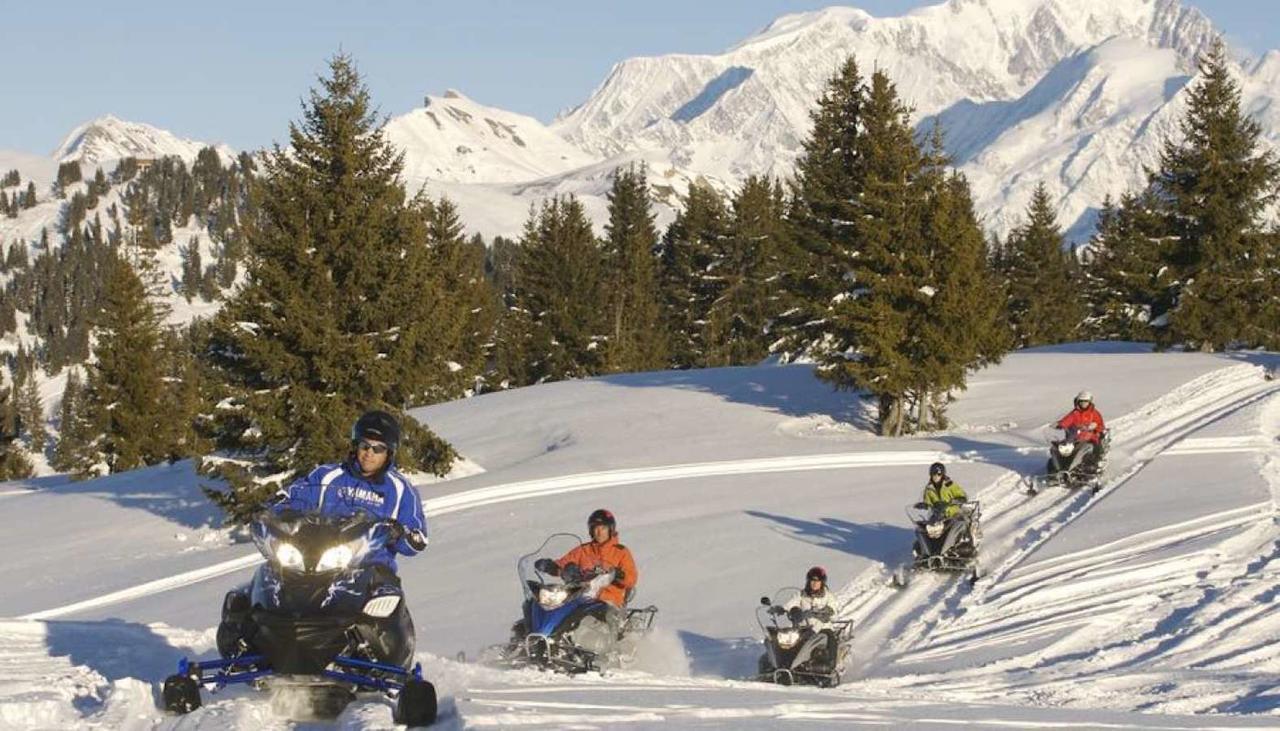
942,542
564,626
1074,462
319,622
796,652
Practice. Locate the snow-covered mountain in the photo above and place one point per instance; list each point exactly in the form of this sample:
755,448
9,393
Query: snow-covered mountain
1126,610
109,138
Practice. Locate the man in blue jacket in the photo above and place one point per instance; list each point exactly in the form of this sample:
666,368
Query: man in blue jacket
367,481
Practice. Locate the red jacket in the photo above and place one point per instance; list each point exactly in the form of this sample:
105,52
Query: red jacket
1088,422
605,556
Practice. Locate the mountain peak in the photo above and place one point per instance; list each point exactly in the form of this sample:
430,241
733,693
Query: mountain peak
109,138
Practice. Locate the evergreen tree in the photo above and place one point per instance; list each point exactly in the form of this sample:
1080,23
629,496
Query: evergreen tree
14,463
689,282
336,314
68,174
1214,183
745,265
637,339
467,308
557,317
829,182
126,401
1045,305
192,269
1124,272
29,199
73,429
31,413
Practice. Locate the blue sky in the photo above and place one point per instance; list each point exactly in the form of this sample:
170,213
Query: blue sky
234,71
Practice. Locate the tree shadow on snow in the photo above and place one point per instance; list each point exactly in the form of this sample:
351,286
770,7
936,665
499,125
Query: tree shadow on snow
875,541
114,649
170,491
735,657
792,390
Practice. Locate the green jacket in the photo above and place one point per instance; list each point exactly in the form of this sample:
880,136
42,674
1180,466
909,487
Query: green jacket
949,494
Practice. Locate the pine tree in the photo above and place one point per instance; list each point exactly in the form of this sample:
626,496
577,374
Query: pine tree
829,182
336,314
1045,305
73,429
1214,183
556,322
192,269
126,400
29,199
745,265
31,413
466,311
14,463
637,339
689,282
1125,276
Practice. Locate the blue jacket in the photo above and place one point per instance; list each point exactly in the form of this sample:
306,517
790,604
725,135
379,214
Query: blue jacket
339,489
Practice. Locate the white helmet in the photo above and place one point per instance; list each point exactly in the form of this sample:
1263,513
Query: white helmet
1084,396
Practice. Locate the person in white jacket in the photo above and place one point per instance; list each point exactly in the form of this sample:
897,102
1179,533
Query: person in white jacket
815,607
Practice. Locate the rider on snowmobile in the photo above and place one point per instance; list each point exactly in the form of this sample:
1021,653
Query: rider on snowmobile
820,604
604,553
367,481
941,490
1087,421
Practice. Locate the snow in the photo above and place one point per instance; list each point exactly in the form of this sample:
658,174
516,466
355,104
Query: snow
109,139
1148,606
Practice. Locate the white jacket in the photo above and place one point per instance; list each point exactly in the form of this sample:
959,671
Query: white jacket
807,603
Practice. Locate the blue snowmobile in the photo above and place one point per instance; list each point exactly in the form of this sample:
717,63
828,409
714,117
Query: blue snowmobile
564,626
320,621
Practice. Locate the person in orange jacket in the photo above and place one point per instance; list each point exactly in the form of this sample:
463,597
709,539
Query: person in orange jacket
602,554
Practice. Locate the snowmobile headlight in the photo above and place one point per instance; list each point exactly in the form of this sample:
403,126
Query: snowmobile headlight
550,597
383,606
338,557
787,638
289,556
934,530
1066,448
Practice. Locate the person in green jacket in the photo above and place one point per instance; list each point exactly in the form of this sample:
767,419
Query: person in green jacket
942,490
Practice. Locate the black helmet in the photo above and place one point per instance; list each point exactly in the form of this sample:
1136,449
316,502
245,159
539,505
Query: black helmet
817,572
379,426
602,517
937,468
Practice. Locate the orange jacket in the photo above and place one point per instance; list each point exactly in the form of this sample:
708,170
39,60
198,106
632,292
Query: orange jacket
605,556
1089,422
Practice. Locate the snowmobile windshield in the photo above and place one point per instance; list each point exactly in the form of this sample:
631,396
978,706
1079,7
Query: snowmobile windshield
532,580
308,542
1054,435
774,613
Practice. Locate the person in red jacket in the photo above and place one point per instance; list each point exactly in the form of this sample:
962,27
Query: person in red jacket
1089,426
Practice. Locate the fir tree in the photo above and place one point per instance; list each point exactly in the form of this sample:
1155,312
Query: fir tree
1124,272
73,428
192,269
29,199
829,182
637,339
745,265
689,282
466,311
31,413
14,463
557,317
1045,305
336,314
126,399
1215,182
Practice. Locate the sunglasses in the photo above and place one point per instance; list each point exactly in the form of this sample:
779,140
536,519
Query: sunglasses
367,446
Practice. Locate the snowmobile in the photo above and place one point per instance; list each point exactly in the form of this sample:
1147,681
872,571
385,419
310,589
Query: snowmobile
1068,465
944,543
564,626
795,652
319,622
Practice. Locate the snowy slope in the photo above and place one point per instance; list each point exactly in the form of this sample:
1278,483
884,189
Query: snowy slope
1154,596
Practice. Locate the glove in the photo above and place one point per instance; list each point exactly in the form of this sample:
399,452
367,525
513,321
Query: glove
619,576
825,614
921,506
795,615
572,573
547,566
